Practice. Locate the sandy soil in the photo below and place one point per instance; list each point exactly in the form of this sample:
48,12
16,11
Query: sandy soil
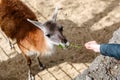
83,20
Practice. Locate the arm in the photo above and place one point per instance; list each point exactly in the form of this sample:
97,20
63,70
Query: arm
112,50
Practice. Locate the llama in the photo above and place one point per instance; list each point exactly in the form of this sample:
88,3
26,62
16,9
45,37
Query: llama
18,22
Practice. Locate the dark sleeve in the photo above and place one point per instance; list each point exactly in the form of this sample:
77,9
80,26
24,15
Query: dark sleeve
112,50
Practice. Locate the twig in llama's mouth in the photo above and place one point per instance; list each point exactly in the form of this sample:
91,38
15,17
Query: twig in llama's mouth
78,46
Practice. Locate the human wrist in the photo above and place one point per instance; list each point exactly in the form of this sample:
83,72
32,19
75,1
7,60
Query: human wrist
97,49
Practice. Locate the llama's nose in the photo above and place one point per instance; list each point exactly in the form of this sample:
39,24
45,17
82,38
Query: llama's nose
66,42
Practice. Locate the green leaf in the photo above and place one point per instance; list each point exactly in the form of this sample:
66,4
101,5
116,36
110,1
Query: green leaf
60,46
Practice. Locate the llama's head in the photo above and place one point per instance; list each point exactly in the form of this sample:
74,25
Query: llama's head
52,30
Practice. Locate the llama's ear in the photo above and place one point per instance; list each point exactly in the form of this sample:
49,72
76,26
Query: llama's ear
36,23
54,17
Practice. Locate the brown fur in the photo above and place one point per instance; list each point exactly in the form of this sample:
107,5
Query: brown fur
30,39
13,22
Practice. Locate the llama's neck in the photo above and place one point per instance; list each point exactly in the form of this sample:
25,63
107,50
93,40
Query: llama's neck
43,44
49,47
37,43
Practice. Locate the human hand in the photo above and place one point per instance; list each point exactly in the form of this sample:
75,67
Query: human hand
93,45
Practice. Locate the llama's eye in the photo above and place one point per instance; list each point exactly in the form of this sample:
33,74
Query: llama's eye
48,35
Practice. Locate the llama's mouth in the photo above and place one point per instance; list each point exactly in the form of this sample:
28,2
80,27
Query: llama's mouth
63,46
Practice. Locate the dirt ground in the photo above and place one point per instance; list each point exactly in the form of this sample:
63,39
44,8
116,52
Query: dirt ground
83,20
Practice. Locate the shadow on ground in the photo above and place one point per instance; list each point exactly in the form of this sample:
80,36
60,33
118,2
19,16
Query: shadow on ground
16,68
